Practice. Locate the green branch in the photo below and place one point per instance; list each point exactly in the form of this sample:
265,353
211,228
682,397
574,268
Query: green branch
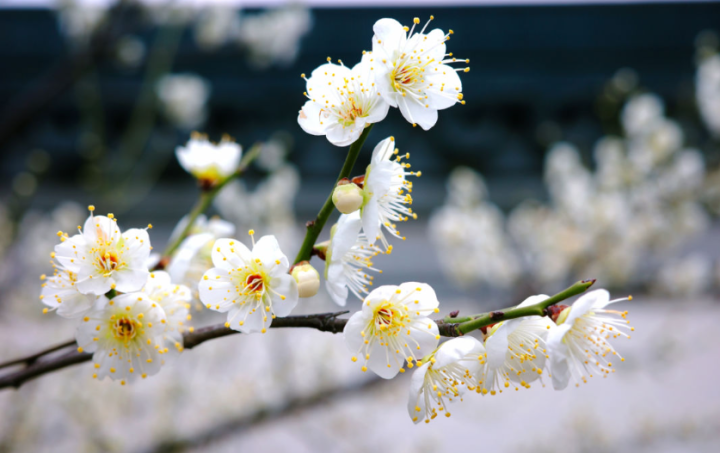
468,324
314,228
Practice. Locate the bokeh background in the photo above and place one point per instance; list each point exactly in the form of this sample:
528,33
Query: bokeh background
589,147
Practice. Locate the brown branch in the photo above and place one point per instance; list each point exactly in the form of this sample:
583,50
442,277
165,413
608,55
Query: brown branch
242,423
324,322
29,360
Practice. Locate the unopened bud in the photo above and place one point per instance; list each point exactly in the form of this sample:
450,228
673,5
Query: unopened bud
347,198
558,313
307,278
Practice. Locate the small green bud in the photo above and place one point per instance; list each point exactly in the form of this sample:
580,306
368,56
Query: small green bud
307,278
348,198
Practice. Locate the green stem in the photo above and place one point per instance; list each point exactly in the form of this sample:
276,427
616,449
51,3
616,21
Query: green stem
315,228
206,198
514,312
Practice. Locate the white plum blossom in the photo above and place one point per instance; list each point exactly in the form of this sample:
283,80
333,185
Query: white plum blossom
412,70
273,36
393,326
387,192
515,351
102,258
126,337
210,163
251,286
578,347
175,302
60,294
441,379
707,92
183,98
348,259
193,256
342,102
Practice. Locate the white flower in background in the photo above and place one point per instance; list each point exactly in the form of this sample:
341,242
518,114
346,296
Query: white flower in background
125,335
175,302
209,162
342,103
79,21
515,350
184,98
193,256
60,293
393,326
348,259
387,192
469,235
640,112
102,258
412,71
216,25
273,36
688,276
578,347
707,93
251,286
441,379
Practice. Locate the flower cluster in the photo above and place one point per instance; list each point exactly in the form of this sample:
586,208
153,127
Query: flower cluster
407,69
622,222
130,317
513,354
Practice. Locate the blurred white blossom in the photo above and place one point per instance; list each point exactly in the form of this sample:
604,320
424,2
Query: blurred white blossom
707,92
216,25
183,98
273,37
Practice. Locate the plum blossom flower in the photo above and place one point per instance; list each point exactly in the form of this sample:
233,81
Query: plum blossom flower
393,327
387,192
192,257
208,162
61,295
348,260
579,345
515,351
125,335
175,302
441,379
342,102
251,286
102,258
412,70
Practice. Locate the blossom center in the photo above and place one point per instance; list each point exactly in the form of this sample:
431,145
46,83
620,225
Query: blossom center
107,260
389,320
125,329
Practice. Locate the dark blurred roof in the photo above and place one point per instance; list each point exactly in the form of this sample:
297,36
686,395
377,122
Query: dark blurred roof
529,65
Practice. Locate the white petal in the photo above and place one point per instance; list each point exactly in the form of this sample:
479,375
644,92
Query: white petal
268,251
420,296
340,135
230,254
129,280
415,112
337,290
70,252
137,247
284,285
96,284
371,220
346,235
186,252
415,398
457,349
381,357
311,119
217,292
352,332
390,33
588,301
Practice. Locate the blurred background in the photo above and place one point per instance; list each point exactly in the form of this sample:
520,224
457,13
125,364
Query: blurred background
589,147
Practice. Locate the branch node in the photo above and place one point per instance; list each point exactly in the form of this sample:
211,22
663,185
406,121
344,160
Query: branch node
453,314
